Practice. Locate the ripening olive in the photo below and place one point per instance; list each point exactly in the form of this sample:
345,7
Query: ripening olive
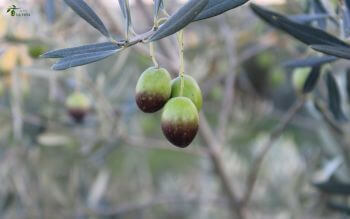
153,89
180,121
78,105
190,90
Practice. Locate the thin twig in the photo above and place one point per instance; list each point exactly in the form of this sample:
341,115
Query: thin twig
327,117
337,130
255,168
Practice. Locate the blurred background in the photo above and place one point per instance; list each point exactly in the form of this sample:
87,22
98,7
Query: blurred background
116,162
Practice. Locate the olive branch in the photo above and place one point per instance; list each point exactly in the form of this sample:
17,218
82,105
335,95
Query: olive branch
193,10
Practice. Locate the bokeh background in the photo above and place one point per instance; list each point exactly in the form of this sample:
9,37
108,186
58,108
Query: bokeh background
117,164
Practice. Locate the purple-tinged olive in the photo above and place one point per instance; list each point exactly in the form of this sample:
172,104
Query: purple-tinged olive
78,105
180,121
153,89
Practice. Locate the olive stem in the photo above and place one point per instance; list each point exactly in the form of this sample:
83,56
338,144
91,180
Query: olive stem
155,22
153,55
151,45
166,13
161,20
180,37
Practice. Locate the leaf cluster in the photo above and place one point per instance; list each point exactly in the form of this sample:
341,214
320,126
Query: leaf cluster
192,11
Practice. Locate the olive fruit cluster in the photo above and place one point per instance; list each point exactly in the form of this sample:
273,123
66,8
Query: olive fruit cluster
180,119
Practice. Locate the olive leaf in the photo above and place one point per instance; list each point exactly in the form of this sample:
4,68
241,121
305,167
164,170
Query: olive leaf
158,4
334,187
347,2
307,18
318,8
82,59
348,84
339,207
335,50
84,11
309,61
345,13
312,79
306,34
334,98
125,8
217,7
91,48
180,19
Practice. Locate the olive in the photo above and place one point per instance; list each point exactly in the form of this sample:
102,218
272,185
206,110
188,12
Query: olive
180,121
191,90
153,89
78,104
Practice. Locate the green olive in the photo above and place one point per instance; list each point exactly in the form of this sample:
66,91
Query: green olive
190,90
153,89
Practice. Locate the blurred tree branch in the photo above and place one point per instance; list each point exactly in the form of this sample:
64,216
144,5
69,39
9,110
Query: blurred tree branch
227,101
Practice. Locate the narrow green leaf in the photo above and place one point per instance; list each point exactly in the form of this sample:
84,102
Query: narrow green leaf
347,2
309,61
319,8
125,8
158,4
84,11
334,98
338,51
307,18
180,19
312,79
306,34
217,7
81,59
98,47
348,84
344,209
335,187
